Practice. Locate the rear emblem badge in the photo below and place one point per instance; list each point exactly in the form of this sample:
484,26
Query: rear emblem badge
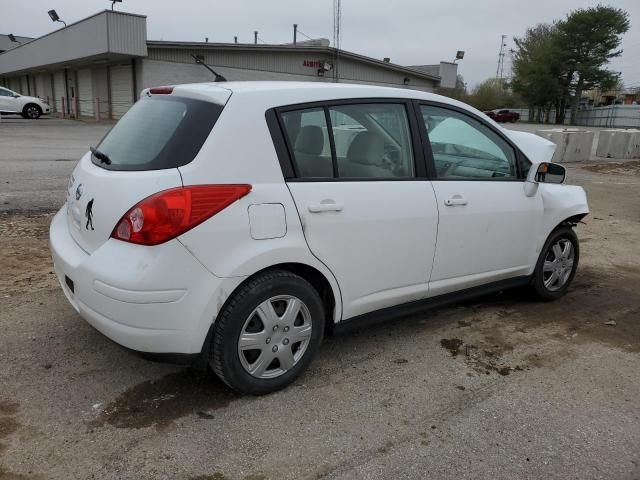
89,214
79,192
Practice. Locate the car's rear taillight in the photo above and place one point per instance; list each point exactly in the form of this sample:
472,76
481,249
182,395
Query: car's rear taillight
170,213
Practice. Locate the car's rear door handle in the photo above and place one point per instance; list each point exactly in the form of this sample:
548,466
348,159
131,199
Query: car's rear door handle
455,200
325,206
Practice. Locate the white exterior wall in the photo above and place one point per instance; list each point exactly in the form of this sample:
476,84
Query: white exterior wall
289,65
156,73
103,33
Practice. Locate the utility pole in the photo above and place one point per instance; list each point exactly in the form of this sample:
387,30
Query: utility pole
295,33
501,54
255,37
337,21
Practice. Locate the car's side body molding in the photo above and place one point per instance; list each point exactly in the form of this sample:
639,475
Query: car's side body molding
412,308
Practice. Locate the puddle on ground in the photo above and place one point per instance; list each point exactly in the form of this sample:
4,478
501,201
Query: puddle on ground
515,320
220,476
8,424
481,360
452,344
161,401
595,297
8,408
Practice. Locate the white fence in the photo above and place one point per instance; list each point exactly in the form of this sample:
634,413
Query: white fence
612,116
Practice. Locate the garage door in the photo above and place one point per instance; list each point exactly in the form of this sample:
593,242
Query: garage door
121,89
43,86
85,92
59,89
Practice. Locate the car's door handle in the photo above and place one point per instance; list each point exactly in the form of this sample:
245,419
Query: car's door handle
325,206
455,200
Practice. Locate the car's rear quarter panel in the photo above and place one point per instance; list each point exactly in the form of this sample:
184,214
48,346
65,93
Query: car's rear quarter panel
240,150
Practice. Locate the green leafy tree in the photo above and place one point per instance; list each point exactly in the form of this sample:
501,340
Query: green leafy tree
554,64
589,39
537,70
490,94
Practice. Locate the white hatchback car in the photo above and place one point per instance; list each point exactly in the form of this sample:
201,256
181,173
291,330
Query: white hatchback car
238,222
29,107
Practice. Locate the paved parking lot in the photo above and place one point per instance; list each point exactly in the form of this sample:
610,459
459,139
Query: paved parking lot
498,388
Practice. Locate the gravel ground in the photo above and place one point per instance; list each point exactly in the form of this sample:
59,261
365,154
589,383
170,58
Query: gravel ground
499,388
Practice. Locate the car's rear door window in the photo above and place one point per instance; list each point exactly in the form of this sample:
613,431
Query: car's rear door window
158,133
372,140
351,141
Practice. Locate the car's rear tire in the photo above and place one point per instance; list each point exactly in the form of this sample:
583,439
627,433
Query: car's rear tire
31,111
556,265
267,333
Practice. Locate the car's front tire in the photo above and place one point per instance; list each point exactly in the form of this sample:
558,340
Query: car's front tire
556,265
267,333
31,111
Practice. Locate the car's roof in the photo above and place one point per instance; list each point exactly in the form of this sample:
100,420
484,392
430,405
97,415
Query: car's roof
264,94
284,92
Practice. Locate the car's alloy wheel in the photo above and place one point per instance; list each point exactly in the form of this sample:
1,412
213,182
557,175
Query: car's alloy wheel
275,336
32,112
557,264
267,332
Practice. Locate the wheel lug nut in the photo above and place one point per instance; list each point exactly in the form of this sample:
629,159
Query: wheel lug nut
275,328
286,329
268,340
275,348
285,341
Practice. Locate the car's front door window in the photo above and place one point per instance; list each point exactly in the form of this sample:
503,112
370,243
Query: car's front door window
465,148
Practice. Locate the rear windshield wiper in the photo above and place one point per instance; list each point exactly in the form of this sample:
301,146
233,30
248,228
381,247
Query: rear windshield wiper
103,157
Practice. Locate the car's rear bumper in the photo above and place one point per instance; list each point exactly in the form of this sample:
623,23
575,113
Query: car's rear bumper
151,299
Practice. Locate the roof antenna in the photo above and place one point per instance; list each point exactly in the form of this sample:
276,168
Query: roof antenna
200,61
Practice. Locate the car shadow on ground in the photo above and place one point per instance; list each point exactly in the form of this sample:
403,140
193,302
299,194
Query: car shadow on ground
487,333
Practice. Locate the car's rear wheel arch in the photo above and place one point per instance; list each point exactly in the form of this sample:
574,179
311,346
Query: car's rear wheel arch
274,284
312,275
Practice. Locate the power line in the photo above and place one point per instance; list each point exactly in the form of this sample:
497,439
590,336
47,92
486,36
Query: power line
304,34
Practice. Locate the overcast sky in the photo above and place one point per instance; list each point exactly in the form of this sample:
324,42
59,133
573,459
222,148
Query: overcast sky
409,31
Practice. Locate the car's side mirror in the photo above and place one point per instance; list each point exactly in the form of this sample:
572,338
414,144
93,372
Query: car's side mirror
545,172
548,172
15,96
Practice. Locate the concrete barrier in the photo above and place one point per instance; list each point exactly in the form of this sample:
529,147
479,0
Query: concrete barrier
634,144
619,143
572,144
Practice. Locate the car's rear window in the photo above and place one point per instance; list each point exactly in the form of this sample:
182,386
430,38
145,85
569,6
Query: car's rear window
157,133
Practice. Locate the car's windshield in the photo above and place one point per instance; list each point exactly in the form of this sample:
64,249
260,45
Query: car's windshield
157,133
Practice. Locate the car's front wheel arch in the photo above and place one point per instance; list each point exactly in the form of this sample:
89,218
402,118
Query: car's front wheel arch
31,110
557,263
